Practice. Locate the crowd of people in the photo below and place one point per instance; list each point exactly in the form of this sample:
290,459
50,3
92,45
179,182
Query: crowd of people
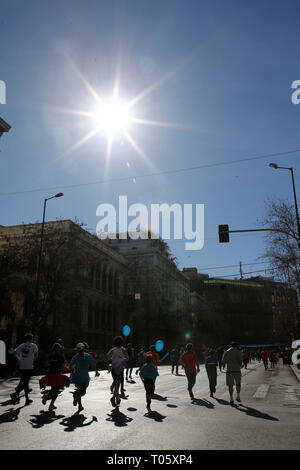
121,360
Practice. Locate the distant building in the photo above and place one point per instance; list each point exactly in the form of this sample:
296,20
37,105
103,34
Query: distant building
161,307
4,127
254,310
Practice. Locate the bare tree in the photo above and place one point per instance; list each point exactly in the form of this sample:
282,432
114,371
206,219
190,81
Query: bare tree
282,249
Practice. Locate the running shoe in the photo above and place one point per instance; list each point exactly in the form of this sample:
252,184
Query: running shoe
231,402
28,402
44,399
118,401
52,407
239,400
113,402
80,408
75,399
14,397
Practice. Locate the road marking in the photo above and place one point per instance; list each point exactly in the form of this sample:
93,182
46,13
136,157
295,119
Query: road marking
262,391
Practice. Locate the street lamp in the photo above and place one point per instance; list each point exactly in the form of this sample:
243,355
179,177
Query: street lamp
40,257
274,165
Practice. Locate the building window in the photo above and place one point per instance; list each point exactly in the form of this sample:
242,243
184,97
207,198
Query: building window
90,316
110,283
103,317
97,314
104,280
91,275
116,285
98,275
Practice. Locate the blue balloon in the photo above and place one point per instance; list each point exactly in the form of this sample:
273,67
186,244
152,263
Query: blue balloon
159,345
11,351
126,330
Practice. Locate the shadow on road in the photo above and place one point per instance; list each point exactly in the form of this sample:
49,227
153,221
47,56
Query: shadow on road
222,402
120,419
131,409
158,397
155,415
255,413
172,406
10,415
76,421
9,402
45,417
199,402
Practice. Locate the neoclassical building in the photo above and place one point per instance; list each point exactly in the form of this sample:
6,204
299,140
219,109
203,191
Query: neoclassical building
88,284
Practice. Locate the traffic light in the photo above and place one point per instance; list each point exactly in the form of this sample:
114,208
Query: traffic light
223,233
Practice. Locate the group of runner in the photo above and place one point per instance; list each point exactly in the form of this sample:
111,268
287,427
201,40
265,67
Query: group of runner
121,358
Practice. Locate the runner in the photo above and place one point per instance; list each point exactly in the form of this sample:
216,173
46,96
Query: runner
220,352
258,356
118,357
245,359
233,358
130,362
175,356
211,364
54,376
155,356
25,353
148,375
86,349
273,359
264,355
190,362
80,363
141,358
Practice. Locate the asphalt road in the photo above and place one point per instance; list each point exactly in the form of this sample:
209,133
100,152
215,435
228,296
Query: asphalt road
267,419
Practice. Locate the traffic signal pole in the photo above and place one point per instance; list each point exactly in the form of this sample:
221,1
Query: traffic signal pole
223,232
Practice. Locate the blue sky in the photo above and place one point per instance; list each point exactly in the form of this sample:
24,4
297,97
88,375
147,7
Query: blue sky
223,71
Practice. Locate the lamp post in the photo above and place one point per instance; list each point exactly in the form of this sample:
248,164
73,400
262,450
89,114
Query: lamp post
39,259
274,165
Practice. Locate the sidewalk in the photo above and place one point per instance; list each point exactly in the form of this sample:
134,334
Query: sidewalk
296,371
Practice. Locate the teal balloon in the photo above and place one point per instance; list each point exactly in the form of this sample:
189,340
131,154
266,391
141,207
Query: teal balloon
126,330
159,345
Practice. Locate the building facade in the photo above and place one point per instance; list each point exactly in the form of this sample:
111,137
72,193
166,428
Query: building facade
160,304
84,281
254,310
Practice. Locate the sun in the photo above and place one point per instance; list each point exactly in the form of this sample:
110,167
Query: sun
113,117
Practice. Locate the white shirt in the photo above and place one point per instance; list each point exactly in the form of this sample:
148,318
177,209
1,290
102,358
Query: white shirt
26,353
118,362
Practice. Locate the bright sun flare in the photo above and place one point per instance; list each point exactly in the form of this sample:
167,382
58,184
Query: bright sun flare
113,117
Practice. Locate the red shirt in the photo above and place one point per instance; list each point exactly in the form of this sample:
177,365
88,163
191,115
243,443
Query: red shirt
264,355
189,361
155,358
